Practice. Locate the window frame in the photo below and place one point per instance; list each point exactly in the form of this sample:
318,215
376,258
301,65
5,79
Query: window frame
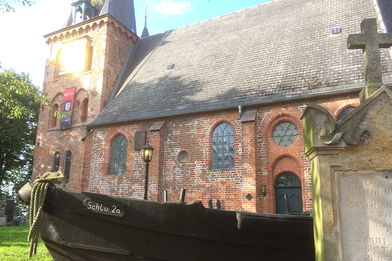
115,154
222,147
56,161
278,139
67,165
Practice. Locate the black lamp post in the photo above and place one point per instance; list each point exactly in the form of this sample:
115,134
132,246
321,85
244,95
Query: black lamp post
147,156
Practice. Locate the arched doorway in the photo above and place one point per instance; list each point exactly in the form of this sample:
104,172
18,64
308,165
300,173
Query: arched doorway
288,194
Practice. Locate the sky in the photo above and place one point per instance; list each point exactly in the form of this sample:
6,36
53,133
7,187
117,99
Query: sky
23,49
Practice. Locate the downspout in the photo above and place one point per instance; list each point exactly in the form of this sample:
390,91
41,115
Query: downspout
241,155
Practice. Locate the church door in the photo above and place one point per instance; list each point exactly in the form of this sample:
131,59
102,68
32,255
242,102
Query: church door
288,194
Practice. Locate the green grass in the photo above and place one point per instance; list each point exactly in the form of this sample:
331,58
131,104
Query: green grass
14,245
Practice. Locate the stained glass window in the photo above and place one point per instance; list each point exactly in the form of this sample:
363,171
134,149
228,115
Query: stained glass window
118,155
345,112
67,164
56,161
285,134
287,180
223,147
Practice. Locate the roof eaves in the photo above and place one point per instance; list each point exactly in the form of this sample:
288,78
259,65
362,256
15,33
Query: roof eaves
86,22
227,105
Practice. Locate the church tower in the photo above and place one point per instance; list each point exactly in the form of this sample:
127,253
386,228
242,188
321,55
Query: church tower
85,59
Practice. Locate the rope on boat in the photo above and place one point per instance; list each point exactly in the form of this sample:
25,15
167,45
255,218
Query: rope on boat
37,200
38,195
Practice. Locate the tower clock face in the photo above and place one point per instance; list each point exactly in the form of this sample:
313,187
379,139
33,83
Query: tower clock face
285,134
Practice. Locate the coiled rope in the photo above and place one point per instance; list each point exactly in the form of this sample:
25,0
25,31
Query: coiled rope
38,195
37,200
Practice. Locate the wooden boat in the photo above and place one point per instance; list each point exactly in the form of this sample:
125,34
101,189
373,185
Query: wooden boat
86,226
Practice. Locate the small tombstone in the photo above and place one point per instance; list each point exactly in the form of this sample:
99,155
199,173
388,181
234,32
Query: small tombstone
351,166
3,218
9,210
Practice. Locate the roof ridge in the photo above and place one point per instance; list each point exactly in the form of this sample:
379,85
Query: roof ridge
224,15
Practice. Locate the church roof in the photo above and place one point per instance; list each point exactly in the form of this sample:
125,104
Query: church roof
277,51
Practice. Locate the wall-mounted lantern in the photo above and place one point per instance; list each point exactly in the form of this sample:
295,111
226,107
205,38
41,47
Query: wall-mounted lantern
263,190
147,157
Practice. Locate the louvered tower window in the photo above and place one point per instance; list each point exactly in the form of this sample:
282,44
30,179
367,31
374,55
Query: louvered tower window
118,155
83,118
53,116
223,147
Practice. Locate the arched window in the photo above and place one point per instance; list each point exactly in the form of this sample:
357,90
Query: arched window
58,63
83,118
345,112
53,116
288,194
118,155
223,147
285,134
75,113
67,164
56,161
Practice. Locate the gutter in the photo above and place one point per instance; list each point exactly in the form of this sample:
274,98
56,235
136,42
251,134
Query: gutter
228,105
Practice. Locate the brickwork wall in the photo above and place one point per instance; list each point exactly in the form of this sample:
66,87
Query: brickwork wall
193,134
93,85
262,160
131,184
274,160
118,44
190,134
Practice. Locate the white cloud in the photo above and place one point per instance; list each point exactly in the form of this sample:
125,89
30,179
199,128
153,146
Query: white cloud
170,7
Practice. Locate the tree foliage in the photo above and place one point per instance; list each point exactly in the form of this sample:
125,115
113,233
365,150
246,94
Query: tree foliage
19,108
8,5
97,2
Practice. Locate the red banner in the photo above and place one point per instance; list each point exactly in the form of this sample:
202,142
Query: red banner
66,108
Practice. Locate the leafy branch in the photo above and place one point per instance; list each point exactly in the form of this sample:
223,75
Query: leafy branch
6,7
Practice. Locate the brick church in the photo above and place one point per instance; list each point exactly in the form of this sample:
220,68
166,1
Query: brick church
220,101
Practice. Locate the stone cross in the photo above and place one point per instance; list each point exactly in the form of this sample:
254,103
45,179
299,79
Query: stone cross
370,41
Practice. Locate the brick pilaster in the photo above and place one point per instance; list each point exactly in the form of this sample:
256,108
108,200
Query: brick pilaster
249,166
155,177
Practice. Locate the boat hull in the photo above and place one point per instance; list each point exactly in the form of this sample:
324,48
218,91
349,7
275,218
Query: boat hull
86,226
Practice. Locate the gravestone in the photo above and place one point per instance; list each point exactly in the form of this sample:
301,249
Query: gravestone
3,218
351,165
9,210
